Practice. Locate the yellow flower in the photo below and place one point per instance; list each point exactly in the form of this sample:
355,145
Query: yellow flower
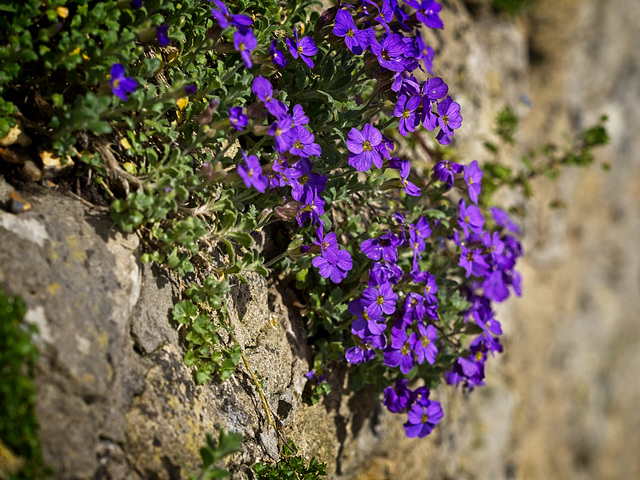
182,102
63,12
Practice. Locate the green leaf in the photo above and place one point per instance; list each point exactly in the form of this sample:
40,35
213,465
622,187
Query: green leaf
184,311
228,443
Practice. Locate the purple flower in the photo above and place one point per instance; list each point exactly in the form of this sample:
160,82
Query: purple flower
224,17
299,118
418,233
404,168
485,319
426,53
385,246
357,41
468,371
161,35
328,244
398,398
237,118
495,287
434,89
494,245
280,130
385,147
390,52
473,177
445,170
303,145
304,48
384,272
364,325
430,288
413,309
245,42
449,119
385,14
379,300
302,179
422,418
334,265
121,85
502,218
427,12
277,56
136,4
470,218
264,91
400,352
406,111
473,262
365,348
425,347
362,146
252,173
312,207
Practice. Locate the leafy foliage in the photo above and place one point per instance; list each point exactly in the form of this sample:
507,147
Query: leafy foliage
18,422
213,452
291,466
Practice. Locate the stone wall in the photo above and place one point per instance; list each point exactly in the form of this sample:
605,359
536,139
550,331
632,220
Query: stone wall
115,400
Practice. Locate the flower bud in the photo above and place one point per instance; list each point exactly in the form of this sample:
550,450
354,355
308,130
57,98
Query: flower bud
288,211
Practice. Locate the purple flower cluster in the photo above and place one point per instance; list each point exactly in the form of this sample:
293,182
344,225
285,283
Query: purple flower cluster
398,55
396,317
422,414
292,168
244,41
489,258
413,337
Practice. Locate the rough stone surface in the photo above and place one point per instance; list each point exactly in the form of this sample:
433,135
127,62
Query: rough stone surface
115,400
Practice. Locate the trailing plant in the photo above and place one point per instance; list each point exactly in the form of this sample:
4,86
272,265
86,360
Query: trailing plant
213,452
211,124
291,466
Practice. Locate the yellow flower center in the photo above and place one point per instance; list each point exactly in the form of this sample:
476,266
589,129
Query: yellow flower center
380,299
406,114
366,146
350,33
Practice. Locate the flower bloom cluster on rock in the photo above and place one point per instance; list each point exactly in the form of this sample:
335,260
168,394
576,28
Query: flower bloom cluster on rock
396,314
